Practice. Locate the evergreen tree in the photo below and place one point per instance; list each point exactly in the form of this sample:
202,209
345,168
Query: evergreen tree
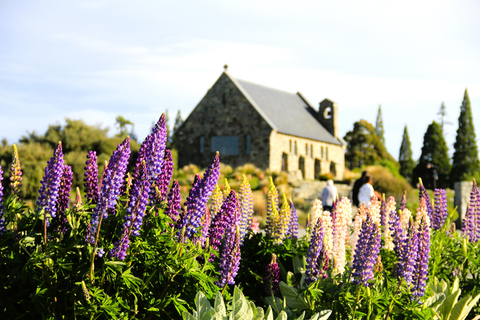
379,131
465,164
178,123
169,135
434,164
405,157
364,146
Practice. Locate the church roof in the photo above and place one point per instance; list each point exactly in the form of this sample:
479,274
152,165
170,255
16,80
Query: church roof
286,112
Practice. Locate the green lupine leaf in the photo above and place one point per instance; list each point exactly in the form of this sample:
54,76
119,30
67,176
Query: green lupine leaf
282,316
301,316
462,308
434,301
446,307
295,300
269,314
220,305
322,315
241,308
187,316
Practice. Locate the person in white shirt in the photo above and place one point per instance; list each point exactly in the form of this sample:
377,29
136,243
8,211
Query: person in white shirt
366,191
329,194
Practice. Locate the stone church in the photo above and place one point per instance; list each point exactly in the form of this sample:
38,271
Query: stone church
270,128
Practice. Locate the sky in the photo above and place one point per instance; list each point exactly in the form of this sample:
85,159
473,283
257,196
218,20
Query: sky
96,60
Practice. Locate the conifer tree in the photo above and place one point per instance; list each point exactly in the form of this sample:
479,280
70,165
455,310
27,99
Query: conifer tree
379,131
465,164
405,157
178,123
434,164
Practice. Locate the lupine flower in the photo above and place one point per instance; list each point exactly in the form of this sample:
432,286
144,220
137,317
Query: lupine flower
471,222
357,224
374,210
387,233
327,225
405,216
477,215
64,199
15,174
216,201
283,221
226,189
315,212
255,226
343,216
152,151
135,213
245,202
272,204
174,199
403,202
2,208
272,276
224,218
78,198
422,193
292,232
405,247
50,183
198,197
315,249
205,227
91,178
229,257
100,252
366,252
419,277
164,178
112,182
440,212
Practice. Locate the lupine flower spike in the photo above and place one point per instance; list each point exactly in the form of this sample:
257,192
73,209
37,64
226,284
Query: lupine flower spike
419,277
173,203
216,201
164,178
440,212
198,197
16,174
135,213
366,252
312,270
272,204
422,193
245,202
64,199
222,220
292,232
343,216
50,184
229,257
112,182
272,276
91,178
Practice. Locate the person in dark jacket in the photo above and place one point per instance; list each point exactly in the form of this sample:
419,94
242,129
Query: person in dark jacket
356,188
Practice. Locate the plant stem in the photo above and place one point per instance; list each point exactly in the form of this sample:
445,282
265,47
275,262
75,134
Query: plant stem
393,299
356,302
95,247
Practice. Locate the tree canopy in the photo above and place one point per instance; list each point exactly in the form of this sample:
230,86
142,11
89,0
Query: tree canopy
434,164
364,146
465,162
405,157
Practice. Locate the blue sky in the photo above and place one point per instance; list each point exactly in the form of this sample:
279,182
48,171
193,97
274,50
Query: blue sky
95,60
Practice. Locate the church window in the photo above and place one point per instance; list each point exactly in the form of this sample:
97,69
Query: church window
226,145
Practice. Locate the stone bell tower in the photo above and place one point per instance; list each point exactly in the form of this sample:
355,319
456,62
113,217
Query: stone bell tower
328,116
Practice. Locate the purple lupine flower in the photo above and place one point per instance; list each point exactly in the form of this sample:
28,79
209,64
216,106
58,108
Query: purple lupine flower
477,215
245,202
174,199
2,208
50,183
152,150
419,277
112,182
366,252
91,178
272,277
440,213
100,252
198,197
222,220
164,178
60,221
229,256
405,247
15,174
383,213
135,213
469,223
315,249
292,232
422,193
205,227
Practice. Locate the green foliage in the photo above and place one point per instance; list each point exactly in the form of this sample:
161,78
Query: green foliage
434,162
364,147
388,183
405,157
465,162
178,123
379,130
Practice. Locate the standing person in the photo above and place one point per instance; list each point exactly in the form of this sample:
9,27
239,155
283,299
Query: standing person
356,188
329,194
366,192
